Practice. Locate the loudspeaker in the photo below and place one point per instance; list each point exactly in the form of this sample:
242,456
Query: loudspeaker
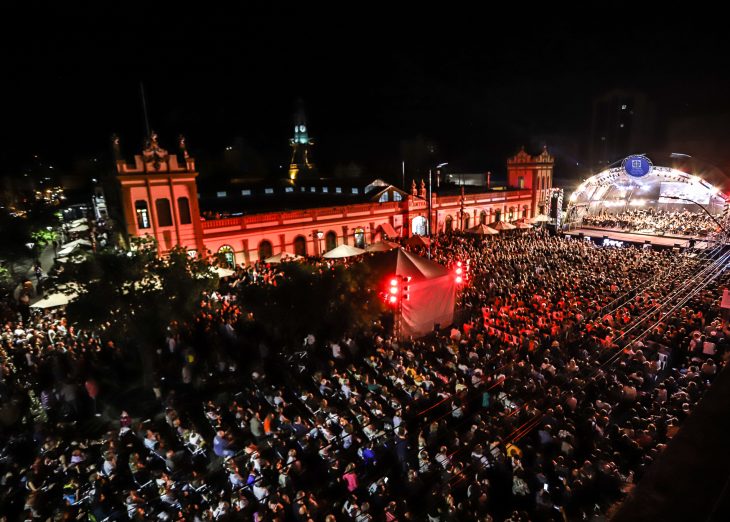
554,200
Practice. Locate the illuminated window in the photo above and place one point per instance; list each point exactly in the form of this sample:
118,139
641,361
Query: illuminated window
325,190
397,196
143,216
338,190
221,194
268,191
164,214
312,189
289,189
383,197
246,192
355,190
228,255
359,237
183,208
330,240
300,246
521,182
264,250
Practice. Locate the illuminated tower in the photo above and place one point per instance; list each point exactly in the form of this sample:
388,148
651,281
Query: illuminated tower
533,173
159,196
300,164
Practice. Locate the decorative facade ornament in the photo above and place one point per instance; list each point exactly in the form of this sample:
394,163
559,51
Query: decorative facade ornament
153,153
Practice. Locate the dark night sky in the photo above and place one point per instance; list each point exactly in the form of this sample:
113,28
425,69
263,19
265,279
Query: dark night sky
476,84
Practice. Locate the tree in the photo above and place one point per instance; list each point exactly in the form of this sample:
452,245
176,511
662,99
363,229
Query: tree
310,299
135,295
16,233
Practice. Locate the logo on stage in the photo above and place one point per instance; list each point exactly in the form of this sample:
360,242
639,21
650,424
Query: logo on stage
637,166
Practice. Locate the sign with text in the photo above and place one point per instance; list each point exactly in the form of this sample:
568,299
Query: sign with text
637,166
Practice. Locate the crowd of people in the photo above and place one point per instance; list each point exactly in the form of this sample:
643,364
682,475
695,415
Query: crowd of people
570,369
656,221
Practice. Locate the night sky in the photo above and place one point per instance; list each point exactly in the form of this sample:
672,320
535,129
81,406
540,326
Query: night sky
477,85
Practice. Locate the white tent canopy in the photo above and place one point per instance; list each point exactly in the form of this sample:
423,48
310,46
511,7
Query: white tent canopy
79,228
77,222
223,272
282,256
382,246
540,218
64,295
482,230
502,225
73,258
343,251
73,245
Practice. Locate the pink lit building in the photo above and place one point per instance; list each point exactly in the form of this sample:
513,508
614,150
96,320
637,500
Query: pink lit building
159,197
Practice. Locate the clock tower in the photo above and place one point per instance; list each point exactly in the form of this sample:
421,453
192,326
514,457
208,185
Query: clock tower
300,164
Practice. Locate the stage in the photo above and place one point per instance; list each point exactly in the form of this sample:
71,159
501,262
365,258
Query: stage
637,238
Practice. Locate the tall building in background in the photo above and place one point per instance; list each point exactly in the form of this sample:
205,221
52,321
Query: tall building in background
301,165
622,123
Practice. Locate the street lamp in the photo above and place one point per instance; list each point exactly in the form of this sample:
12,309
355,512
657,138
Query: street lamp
430,204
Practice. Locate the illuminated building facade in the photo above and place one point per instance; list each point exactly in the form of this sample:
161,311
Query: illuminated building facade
159,197
534,173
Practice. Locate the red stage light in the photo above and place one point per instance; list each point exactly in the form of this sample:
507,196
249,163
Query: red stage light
393,299
458,271
393,282
393,290
459,280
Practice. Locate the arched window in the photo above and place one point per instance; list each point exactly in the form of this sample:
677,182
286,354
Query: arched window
466,220
449,224
264,250
143,216
418,226
183,208
497,216
359,238
521,182
383,197
164,215
524,211
511,213
397,196
330,241
300,246
228,254
482,218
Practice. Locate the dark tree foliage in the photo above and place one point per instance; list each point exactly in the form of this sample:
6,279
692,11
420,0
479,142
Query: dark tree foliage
136,295
308,299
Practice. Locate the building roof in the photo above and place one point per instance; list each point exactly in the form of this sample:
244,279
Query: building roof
268,196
